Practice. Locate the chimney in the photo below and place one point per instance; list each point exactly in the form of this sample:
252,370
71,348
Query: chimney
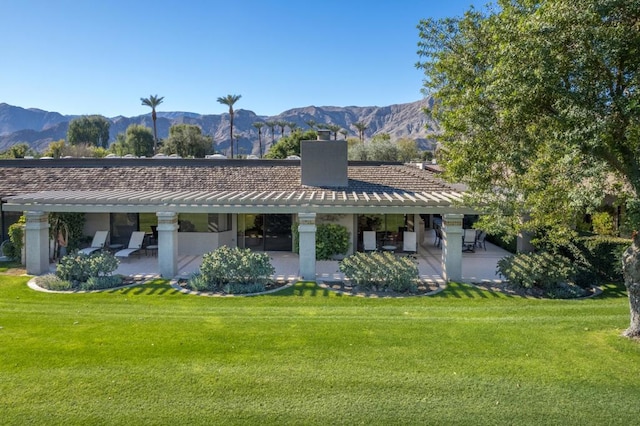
324,162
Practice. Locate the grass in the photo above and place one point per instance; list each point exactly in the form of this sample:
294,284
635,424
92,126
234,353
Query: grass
150,355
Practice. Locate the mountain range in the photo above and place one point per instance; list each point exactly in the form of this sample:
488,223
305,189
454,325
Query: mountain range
38,128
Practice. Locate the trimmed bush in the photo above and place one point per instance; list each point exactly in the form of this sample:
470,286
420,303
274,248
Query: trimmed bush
235,288
101,282
536,270
240,267
53,282
381,271
79,267
601,255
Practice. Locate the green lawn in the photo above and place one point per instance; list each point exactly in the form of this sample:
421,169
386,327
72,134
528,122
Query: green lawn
150,355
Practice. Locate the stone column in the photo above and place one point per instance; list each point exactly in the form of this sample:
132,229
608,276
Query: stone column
37,242
168,244
452,246
307,244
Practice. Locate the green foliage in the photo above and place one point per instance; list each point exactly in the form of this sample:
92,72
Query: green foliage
16,237
601,255
603,224
53,282
78,268
237,288
381,270
407,150
138,141
101,282
240,267
545,271
18,150
55,149
73,223
89,129
539,100
331,239
381,150
290,144
187,140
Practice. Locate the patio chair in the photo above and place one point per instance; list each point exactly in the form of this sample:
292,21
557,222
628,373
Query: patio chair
135,245
369,240
409,242
438,241
469,240
480,240
98,243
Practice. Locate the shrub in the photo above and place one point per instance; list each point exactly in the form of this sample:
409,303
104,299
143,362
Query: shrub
235,288
381,271
236,266
79,267
16,239
53,282
536,270
331,239
101,282
601,255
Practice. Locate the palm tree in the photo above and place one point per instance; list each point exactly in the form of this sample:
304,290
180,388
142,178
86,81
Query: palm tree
334,128
292,126
344,133
361,128
153,101
311,124
272,125
282,125
229,100
259,125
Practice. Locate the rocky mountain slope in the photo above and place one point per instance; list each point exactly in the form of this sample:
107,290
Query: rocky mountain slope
38,128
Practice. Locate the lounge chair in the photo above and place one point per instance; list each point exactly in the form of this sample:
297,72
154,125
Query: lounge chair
369,240
98,243
135,245
409,243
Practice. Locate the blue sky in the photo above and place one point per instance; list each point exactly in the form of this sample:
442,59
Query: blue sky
101,57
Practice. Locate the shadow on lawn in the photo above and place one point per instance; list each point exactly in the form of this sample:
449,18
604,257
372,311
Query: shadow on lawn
153,287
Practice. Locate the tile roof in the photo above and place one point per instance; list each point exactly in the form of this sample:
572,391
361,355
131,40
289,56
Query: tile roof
183,175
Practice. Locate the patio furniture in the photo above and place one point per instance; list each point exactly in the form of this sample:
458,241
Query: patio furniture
98,242
480,240
369,240
409,243
469,240
438,241
135,244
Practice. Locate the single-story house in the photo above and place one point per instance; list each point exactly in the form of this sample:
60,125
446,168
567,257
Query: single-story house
196,205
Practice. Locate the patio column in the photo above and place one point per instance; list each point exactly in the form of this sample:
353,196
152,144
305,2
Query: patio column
452,246
168,243
307,244
37,242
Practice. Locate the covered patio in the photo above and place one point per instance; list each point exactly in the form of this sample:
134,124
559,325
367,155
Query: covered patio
476,267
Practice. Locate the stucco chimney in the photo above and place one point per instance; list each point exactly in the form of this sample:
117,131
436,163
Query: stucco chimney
324,162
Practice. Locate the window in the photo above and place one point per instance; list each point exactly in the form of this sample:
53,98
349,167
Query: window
199,222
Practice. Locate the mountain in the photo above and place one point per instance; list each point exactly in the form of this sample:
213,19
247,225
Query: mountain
38,128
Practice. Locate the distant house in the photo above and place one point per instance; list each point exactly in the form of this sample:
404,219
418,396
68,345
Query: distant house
197,205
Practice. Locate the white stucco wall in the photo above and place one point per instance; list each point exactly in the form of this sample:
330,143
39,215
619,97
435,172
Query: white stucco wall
346,220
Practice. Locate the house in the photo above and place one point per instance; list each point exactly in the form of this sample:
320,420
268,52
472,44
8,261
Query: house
197,205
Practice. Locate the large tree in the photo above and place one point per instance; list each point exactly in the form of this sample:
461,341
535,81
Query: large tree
139,141
259,125
290,144
230,100
540,110
153,101
187,140
361,127
89,129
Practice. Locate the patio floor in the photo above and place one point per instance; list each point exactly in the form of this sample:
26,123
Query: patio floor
476,267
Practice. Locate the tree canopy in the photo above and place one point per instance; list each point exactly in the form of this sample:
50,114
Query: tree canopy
137,140
539,106
89,129
290,144
187,140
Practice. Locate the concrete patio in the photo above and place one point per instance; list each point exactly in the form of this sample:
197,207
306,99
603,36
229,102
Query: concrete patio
476,266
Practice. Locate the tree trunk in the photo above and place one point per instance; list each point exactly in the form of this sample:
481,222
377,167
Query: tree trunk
631,270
